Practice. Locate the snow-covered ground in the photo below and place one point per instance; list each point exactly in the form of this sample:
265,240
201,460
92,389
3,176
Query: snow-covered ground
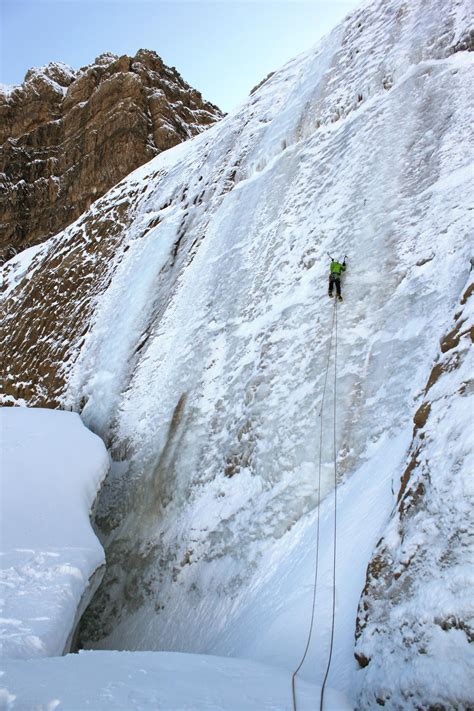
148,681
51,471
52,467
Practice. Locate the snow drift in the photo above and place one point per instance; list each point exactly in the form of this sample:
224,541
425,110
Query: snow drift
52,468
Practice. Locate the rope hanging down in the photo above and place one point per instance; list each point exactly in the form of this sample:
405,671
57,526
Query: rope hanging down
293,679
335,522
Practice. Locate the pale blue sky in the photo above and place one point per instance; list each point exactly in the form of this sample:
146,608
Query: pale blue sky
221,47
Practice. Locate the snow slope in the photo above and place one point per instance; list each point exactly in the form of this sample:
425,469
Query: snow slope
199,352
51,468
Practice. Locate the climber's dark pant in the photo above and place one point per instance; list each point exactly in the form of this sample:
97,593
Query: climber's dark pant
334,279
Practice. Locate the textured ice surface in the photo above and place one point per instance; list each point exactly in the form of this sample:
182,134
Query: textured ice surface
205,362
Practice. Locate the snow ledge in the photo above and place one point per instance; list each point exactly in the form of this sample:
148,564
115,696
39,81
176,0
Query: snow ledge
52,468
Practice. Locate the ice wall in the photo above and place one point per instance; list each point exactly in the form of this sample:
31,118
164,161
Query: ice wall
207,353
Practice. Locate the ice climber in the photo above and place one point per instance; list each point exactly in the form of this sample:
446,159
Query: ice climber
335,276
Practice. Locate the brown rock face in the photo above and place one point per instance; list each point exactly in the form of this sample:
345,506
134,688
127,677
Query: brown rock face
68,136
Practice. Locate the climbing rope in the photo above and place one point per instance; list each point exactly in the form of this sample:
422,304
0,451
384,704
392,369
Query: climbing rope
335,522
315,584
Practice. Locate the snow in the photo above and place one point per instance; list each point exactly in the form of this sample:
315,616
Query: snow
110,681
235,337
420,610
8,89
18,267
52,468
280,599
57,75
204,363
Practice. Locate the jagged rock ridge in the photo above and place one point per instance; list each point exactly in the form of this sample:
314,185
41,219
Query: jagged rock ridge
68,136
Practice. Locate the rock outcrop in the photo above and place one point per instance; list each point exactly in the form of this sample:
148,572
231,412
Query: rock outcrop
68,136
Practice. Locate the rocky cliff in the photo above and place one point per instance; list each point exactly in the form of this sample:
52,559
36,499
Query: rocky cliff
68,136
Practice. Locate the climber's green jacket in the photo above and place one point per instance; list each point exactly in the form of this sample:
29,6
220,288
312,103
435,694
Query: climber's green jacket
337,267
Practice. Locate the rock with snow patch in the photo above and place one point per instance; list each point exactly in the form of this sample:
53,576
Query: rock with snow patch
67,136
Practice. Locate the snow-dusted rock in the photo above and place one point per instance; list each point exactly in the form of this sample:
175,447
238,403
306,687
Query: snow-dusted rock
67,136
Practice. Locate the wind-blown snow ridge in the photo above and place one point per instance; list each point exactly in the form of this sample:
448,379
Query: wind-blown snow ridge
199,351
